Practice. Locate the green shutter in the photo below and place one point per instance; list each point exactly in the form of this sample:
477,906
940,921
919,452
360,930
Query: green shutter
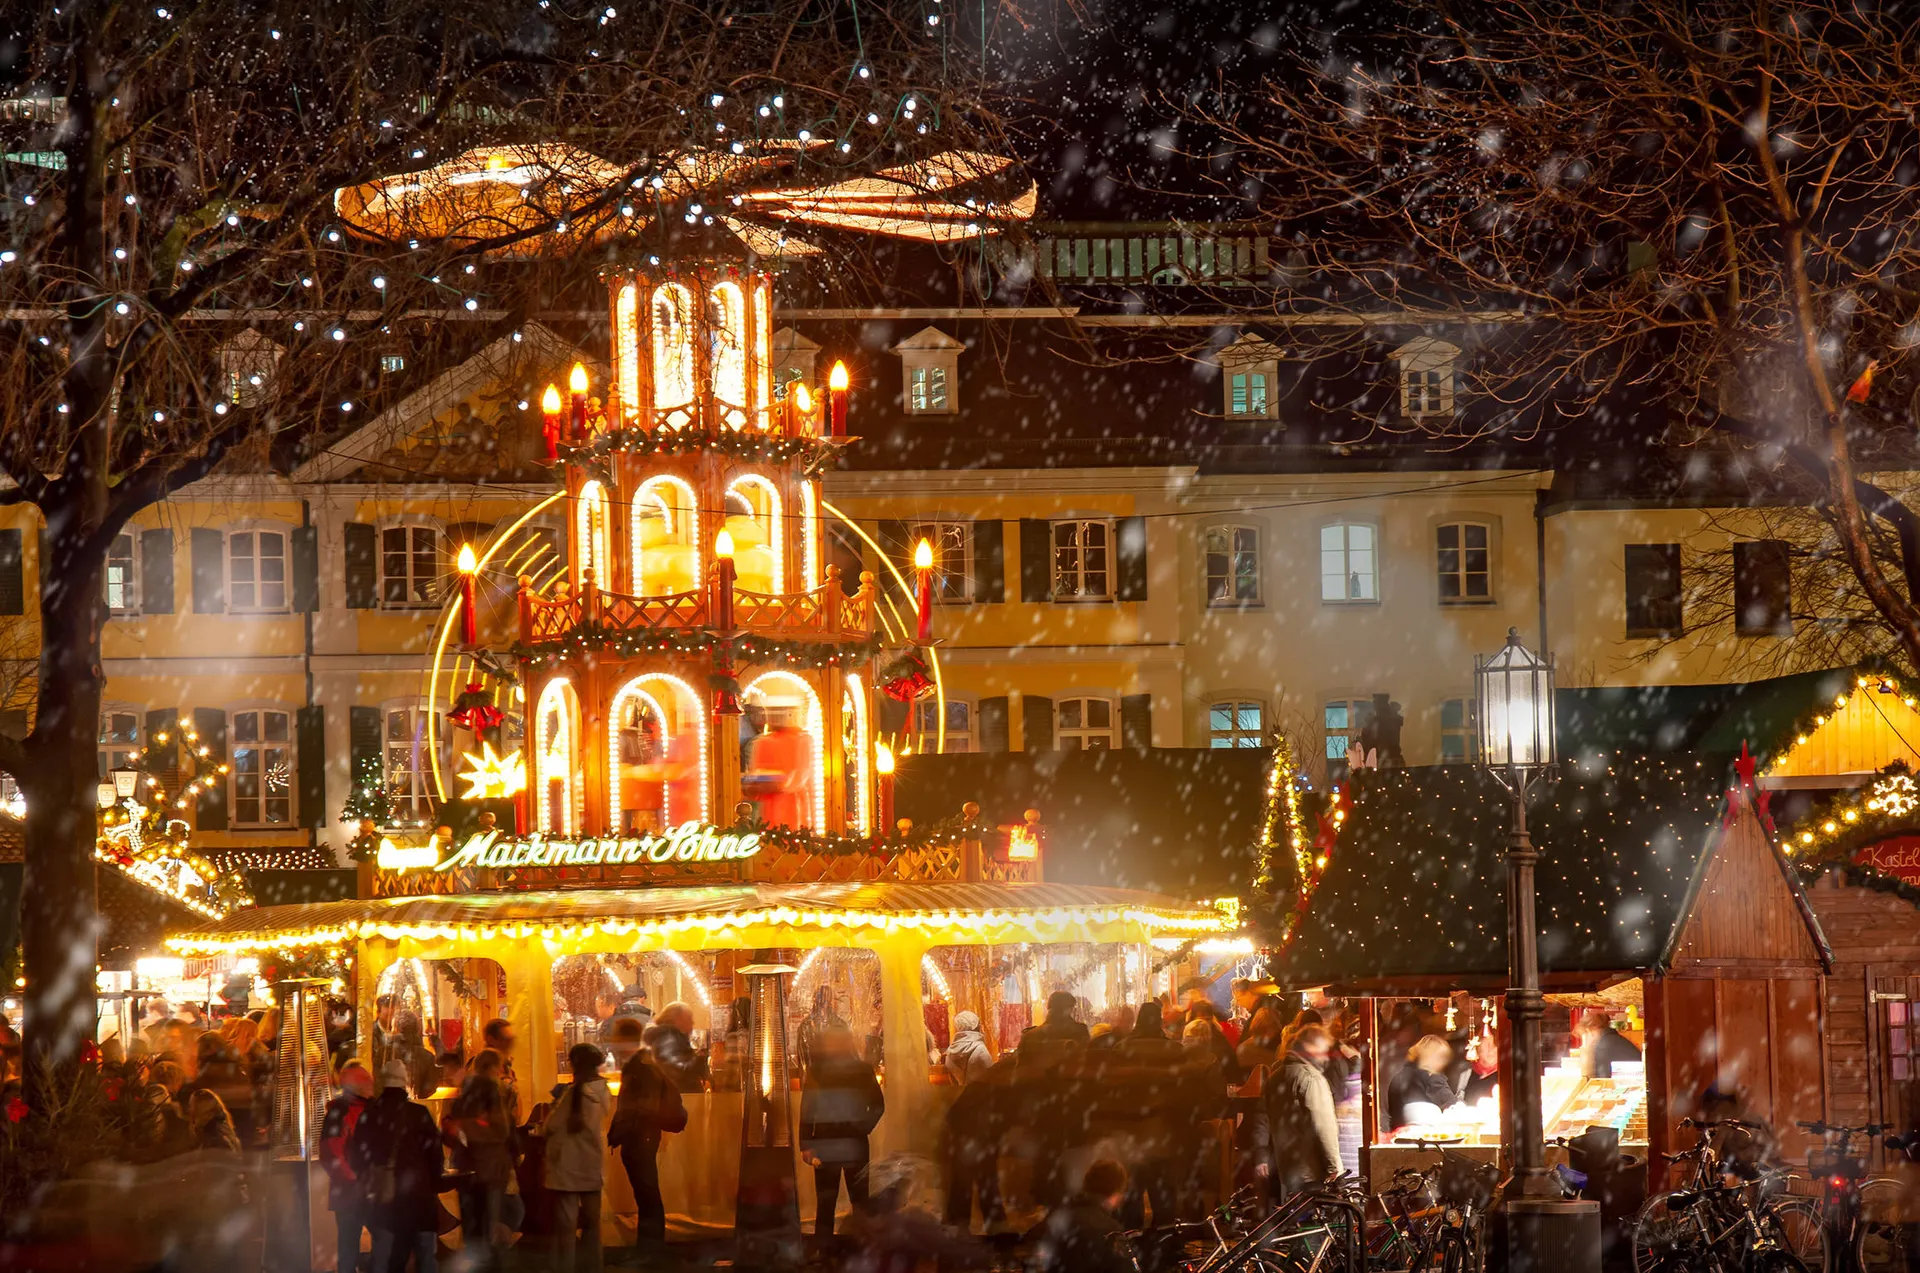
163,757
893,541
1136,721
209,572
305,550
364,761
1130,555
1036,722
13,581
211,724
363,573
156,571
989,563
1036,560
310,764
991,727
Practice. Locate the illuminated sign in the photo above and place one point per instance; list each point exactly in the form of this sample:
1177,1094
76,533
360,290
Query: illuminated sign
407,857
688,842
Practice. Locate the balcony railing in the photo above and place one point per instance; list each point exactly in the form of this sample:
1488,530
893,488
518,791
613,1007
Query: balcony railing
822,613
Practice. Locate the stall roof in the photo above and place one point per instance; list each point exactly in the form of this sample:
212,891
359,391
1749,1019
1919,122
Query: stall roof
1693,720
1415,892
850,905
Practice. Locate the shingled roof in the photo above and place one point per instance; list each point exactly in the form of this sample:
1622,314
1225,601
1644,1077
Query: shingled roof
1416,890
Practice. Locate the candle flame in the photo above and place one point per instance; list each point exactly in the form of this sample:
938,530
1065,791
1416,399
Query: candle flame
467,562
923,555
837,378
577,378
550,400
802,398
882,758
723,544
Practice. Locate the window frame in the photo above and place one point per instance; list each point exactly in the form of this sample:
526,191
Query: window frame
1349,733
1468,730
292,749
929,734
1647,631
1426,356
256,529
928,348
1110,570
420,776
1231,575
928,390
442,558
1249,355
131,586
1461,573
105,750
933,529
1347,551
1062,731
1235,736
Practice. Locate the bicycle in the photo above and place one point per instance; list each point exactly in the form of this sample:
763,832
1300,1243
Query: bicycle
1723,1228
1660,1226
1860,1229
1463,1188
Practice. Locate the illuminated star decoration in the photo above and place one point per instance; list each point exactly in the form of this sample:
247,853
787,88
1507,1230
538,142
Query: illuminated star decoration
1896,795
490,776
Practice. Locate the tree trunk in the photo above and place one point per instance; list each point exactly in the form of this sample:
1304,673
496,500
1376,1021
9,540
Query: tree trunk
60,921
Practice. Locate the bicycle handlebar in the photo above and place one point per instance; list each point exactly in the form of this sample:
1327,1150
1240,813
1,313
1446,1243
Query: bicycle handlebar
1823,1128
1421,1142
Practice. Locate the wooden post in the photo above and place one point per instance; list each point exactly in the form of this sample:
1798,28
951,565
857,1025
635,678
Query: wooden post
971,854
1369,1086
526,609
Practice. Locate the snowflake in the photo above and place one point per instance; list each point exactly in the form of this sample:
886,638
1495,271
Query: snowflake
1896,794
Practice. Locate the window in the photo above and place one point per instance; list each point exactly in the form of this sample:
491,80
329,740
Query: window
1465,562
119,739
1762,589
257,571
1347,570
794,358
1082,724
409,566
1459,731
1081,569
123,592
247,365
1236,724
952,558
262,763
1341,724
1653,590
409,765
930,372
390,363
1233,565
1249,371
926,721
1426,377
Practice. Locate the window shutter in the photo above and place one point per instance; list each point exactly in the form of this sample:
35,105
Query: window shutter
13,580
310,764
989,563
363,747
363,576
1762,588
211,724
209,575
843,550
892,714
1036,721
1130,554
992,724
305,550
163,759
156,571
1136,721
893,539
1036,560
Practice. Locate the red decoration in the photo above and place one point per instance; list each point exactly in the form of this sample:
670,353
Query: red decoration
475,710
907,687
16,1109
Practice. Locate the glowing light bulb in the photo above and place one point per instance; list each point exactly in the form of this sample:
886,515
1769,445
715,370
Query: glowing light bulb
837,378
923,555
550,400
723,544
577,378
803,399
882,758
468,562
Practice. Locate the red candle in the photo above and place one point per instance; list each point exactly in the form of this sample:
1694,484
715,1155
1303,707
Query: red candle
723,582
469,565
923,572
837,399
577,394
550,421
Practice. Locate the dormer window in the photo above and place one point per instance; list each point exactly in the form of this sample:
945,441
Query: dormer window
930,372
247,364
1249,372
1426,377
794,358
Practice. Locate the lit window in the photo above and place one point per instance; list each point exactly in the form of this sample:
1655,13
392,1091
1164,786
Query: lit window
1459,732
927,390
1341,724
390,363
1249,371
1426,377
1236,724
119,739
247,365
409,566
1465,562
409,764
1081,568
952,558
257,572
1233,565
930,366
1347,567
926,721
123,593
1247,392
262,764
1083,724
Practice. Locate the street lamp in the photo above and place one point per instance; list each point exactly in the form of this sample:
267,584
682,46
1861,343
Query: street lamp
1513,693
126,782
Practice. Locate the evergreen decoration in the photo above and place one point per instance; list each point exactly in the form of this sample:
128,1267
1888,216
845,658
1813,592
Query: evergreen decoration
815,455
1292,852
699,643
948,831
1837,828
369,798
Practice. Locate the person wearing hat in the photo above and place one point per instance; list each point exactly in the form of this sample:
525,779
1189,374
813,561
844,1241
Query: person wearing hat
395,1151
346,1192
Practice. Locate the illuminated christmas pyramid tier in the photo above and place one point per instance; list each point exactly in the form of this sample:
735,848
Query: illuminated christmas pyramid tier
697,651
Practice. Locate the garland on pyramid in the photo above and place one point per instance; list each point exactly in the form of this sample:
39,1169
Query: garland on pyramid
814,454
760,650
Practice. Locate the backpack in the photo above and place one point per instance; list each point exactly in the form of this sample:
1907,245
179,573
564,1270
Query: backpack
661,1109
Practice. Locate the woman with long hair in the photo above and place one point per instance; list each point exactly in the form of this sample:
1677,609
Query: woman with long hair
212,1126
477,1129
576,1132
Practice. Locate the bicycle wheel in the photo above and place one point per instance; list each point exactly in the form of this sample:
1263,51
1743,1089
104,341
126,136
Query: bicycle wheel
1886,1239
1775,1261
1799,1226
1660,1235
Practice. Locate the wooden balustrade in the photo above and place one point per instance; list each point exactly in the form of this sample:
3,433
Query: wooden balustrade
822,612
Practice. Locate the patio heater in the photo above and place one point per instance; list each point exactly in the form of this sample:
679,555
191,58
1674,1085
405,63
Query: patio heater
767,1206
302,1086
1513,692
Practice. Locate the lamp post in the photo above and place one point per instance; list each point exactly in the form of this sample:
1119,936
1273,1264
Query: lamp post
1513,691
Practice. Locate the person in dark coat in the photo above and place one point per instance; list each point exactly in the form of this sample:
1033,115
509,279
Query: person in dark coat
669,1039
1601,1046
346,1192
820,1018
1301,1131
976,1122
648,1106
479,1136
1419,1092
1084,1235
1060,1022
1149,1024
840,1105
396,1140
